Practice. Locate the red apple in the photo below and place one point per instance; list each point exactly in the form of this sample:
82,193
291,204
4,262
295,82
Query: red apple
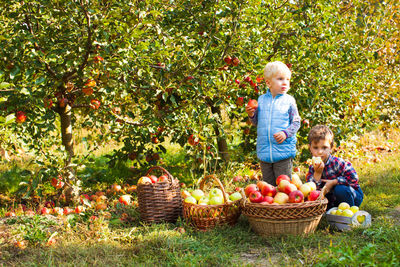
153,178
155,156
252,103
20,117
95,104
296,196
261,184
45,211
282,177
239,101
269,190
247,79
125,199
67,210
237,178
267,199
290,188
228,60
282,185
314,195
162,178
235,61
79,209
256,197
250,188
193,140
116,188
9,214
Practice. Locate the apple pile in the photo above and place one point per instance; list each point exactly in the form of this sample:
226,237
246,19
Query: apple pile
345,210
214,197
152,179
287,191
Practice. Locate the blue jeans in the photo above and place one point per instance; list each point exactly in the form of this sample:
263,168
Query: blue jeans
344,193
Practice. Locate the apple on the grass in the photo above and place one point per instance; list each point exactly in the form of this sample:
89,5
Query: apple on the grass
256,197
45,211
67,210
268,190
250,188
281,198
79,209
267,200
313,195
282,177
305,189
197,194
153,178
125,199
296,196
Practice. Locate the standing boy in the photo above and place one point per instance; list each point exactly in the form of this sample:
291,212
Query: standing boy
277,120
336,174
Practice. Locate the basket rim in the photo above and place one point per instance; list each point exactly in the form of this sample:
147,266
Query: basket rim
287,205
212,206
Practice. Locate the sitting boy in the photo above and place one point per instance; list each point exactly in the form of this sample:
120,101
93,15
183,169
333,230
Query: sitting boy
339,176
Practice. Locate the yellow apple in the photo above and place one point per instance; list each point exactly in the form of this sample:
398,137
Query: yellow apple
312,185
354,209
296,180
191,200
144,180
197,194
344,206
305,189
347,213
281,198
339,212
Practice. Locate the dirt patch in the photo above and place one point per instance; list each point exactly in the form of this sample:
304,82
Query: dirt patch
395,215
262,257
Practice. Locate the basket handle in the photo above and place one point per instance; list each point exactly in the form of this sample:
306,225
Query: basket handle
322,194
213,177
170,177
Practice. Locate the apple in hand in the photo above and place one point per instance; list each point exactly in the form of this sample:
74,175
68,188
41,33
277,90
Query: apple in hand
250,188
256,197
282,177
253,104
296,197
314,195
281,198
268,190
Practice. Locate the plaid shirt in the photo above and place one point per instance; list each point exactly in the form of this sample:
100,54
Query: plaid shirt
336,168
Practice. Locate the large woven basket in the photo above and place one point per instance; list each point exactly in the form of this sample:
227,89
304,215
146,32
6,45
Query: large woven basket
160,202
204,217
283,219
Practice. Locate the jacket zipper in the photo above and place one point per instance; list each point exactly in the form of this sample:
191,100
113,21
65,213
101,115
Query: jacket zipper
269,129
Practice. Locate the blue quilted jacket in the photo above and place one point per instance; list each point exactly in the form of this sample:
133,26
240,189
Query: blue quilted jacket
273,117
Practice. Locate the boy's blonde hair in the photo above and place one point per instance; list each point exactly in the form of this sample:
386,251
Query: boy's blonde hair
275,68
320,132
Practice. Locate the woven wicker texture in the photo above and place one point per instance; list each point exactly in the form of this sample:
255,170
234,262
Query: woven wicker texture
204,217
160,202
291,218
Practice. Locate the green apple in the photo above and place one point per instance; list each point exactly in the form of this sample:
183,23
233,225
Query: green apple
344,206
339,212
217,200
191,200
354,209
204,201
347,213
197,194
216,192
235,196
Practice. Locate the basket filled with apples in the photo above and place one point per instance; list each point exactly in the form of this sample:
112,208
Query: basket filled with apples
206,209
343,217
159,198
291,207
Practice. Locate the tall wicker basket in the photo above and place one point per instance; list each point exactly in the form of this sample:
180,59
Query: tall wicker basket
204,217
284,219
160,202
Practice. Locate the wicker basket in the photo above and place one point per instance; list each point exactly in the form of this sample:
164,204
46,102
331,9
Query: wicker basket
160,202
204,217
283,219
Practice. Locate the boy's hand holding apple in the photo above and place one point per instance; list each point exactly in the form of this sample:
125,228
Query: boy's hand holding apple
251,107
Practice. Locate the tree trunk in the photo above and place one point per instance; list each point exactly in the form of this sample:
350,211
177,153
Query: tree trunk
221,141
72,188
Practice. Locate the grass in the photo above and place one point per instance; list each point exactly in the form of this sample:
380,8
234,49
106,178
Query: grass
106,240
